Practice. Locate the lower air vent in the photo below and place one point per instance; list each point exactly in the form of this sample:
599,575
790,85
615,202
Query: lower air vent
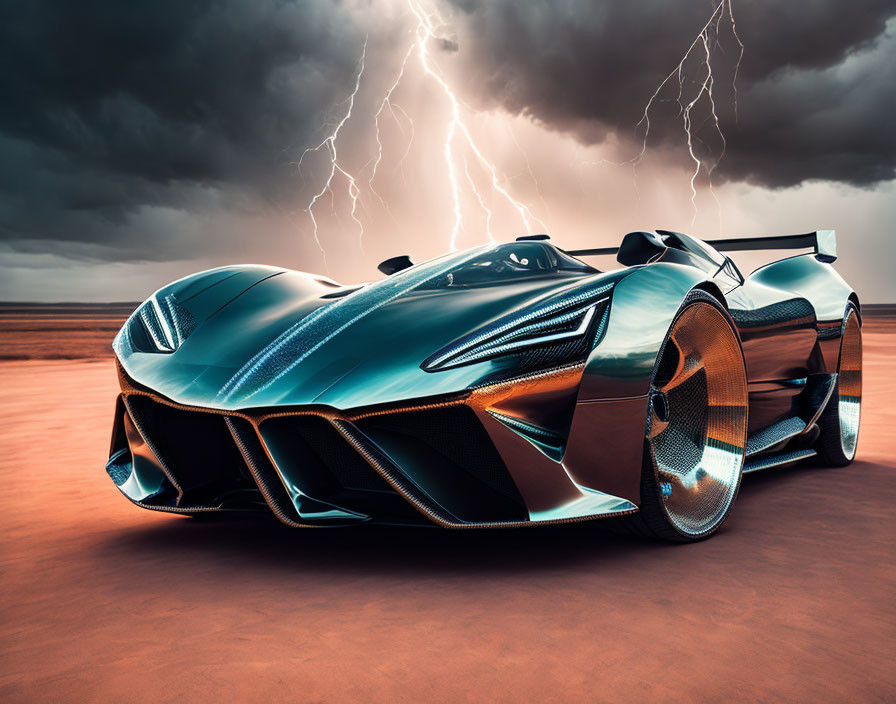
447,454
315,459
199,453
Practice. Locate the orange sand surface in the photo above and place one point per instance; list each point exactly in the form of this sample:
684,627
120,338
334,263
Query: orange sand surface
794,600
60,331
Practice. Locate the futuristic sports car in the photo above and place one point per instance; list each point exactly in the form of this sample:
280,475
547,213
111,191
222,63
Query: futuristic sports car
505,385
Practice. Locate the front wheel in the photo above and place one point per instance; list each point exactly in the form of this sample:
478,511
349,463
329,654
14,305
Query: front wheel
696,429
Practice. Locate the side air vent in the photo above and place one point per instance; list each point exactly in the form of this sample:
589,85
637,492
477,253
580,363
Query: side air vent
797,311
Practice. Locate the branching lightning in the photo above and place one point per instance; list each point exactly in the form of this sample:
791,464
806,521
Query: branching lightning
459,143
488,212
425,34
701,48
387,103
329,143
466,168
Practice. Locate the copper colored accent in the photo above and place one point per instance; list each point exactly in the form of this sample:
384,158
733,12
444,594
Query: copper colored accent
606,446
251,459
479,400
502,395
546,399
542,482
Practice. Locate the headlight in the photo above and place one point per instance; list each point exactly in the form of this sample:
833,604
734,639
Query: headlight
563,328
160,325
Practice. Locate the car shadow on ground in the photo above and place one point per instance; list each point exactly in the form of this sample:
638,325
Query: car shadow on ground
262,541
265,542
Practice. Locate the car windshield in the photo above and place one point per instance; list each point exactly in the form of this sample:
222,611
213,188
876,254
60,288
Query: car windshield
508,262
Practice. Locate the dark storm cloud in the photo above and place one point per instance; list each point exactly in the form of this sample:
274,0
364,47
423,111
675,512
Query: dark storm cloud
123,124
112,106
168,89
805,113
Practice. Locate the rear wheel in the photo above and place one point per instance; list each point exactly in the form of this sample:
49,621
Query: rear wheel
839,422
696,426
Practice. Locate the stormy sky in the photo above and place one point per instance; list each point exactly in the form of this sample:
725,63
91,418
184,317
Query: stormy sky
141,141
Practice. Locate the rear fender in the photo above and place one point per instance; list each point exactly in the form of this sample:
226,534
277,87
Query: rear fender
806,276
814,280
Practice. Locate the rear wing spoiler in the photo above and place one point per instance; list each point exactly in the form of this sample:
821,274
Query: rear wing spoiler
823,242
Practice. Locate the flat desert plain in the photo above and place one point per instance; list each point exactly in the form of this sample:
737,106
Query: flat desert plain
794,600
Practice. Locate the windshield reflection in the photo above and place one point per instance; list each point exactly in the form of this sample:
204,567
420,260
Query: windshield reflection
509,262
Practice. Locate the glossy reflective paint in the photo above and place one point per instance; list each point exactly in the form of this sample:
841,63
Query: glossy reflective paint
642,308
819,283
375,359
802,301
606,444
268,340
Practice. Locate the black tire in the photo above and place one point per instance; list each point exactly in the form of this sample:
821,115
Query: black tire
656,518
839,422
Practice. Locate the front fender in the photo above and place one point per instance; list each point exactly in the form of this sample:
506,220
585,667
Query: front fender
606,440
643,306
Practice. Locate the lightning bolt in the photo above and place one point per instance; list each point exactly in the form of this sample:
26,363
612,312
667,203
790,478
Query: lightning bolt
426,32
705,88
387,103
459,144
529,170
488,212
703,45
462,155
329,143
739,58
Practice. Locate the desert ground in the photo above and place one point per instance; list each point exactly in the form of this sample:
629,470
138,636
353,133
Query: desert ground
794,600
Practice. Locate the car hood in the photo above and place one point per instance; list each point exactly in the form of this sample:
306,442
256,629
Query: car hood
287,340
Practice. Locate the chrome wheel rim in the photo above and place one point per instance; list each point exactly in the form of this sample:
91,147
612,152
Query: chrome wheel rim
697,419
850,384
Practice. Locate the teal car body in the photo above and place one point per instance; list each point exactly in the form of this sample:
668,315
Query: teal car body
504,385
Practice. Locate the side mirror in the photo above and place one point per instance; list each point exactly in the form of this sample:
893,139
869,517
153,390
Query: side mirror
395,264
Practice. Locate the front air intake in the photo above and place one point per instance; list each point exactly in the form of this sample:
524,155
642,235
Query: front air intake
446,454
199,454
